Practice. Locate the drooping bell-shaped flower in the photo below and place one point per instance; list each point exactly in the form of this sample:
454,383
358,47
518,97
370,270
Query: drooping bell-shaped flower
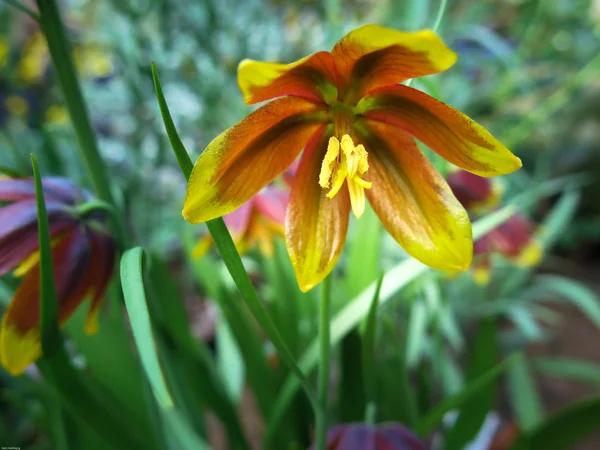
83,256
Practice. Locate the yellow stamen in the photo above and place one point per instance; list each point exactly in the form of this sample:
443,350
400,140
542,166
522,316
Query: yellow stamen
349,164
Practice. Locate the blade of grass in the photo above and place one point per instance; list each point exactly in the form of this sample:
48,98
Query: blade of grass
133,290
368,357
434,417
523,395
474,411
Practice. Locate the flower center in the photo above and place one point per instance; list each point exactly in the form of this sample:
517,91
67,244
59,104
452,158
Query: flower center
349,165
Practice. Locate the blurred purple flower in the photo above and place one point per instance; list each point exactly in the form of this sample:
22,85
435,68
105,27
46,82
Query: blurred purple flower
362,436
83,255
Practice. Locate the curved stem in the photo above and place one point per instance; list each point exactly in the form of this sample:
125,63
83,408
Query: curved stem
324,363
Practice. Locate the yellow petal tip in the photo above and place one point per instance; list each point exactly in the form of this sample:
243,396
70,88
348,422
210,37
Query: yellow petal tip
17,350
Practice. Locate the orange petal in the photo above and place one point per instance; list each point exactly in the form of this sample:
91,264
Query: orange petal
315,225
19,333
445,130
414,202
245,158
312,78
372,56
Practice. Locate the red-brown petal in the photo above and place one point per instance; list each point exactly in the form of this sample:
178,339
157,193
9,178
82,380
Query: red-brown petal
372,56
413,201
245,158
312,78
445,130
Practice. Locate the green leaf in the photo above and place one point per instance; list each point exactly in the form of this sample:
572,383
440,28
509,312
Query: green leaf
576,292
229,362
135,300
523,395
417,329
178,148
112,361
369,346
564,429
473,388
474,411
364,251
579,370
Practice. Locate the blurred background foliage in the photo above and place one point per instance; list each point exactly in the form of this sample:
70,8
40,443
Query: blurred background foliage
528,70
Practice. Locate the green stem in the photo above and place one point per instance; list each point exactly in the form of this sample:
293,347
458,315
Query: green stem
60,52
324,363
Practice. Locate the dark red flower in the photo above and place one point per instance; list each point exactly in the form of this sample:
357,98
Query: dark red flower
514,239
83,255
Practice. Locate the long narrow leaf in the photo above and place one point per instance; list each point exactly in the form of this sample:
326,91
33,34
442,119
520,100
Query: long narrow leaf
135,301
474,411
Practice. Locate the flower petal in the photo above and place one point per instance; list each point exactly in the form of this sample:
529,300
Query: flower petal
55,188
371,56
413,201
445,130
312,78
242,160
315,226
19,332
238,220
272,203
104,252
18,230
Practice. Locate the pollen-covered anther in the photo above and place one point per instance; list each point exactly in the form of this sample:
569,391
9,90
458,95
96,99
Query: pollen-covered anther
349,164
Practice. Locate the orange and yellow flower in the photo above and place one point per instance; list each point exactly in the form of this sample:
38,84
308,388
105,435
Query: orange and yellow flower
356,127
83,256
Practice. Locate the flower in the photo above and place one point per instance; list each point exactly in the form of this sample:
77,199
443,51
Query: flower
356,126
361,436
514,239
258,221
83,256
474,193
